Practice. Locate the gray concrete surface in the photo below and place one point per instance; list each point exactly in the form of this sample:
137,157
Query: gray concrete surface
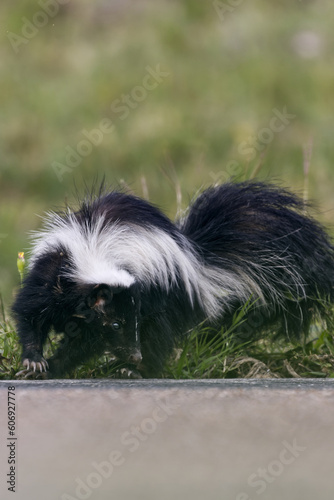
143,440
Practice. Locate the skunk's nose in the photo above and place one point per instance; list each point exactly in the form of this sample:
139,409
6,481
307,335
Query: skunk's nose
135,357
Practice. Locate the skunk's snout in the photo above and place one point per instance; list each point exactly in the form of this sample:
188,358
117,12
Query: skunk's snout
135,357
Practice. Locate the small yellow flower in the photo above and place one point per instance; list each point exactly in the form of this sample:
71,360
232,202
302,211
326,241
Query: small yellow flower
21,264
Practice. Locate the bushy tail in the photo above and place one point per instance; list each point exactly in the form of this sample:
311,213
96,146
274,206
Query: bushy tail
260,233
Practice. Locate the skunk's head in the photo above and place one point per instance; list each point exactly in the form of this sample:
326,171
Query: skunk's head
112,313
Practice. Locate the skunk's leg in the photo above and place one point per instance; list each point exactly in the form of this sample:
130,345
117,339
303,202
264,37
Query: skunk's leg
155,349
32,358
32,335
33,310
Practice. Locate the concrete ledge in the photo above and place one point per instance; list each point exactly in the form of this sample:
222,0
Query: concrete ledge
163,439
302,383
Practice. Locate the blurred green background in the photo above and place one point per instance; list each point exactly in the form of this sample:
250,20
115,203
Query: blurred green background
185,91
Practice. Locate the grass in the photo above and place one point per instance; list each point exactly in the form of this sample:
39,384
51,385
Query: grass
10,351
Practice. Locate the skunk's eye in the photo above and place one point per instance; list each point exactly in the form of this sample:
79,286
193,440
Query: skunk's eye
116,326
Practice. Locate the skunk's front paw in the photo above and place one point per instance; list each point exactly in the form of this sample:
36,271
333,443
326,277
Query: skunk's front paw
34,368
128,373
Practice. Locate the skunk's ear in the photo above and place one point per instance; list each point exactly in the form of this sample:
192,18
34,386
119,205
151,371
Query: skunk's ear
99,296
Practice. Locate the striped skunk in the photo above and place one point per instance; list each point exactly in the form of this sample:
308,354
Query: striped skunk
117,275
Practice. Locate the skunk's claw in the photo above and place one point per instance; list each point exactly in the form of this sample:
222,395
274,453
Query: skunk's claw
34,369
129,373
41,365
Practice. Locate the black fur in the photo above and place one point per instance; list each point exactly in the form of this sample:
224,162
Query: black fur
252,234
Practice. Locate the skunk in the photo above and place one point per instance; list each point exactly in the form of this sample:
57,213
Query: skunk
117,275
